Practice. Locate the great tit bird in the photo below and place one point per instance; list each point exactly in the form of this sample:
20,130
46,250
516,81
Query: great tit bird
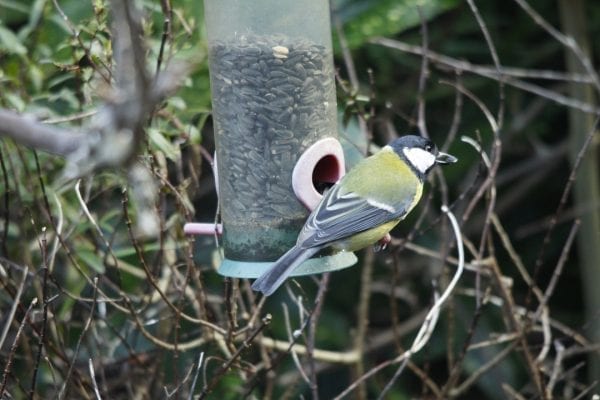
363,206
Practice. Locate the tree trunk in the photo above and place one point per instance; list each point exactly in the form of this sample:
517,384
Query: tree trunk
586,192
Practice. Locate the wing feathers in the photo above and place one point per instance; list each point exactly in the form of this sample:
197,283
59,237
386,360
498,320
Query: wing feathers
341,215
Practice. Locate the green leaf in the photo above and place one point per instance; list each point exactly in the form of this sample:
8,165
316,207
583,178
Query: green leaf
13,12
10,43
177,102
158,140
366,19
92,260
15,101
36,75
194,135
353,140
35,14
130,251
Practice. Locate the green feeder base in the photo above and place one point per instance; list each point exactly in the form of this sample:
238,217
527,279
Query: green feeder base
317,265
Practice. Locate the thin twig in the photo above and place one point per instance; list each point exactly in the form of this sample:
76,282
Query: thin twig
428,325
557,367
150,276
13,348
175,391
347,56
92,220
363,315
430,322
88,322
312,333
70,118
492,168
495,58
515,324
457,368
93,376
230,310
423,75
588,389
225,367
512,392
529,281
566,41
352,76
291,338
482,370
16,301
6,213
561,204
167,34
195,380
105,74
492,73
44,251
559,267
58,232
496,151
456,116
194,343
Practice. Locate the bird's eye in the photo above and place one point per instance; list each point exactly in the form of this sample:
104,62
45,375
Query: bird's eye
428,147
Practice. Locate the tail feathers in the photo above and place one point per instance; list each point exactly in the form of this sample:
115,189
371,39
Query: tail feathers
268,282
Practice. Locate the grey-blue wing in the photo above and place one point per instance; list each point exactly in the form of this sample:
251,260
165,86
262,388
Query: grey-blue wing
341,215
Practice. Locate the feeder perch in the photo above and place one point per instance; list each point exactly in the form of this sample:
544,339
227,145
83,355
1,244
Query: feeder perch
275,121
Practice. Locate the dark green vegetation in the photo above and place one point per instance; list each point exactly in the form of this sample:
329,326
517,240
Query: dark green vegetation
92,308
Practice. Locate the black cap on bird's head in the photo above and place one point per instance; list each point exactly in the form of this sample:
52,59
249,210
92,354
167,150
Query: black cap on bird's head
420,153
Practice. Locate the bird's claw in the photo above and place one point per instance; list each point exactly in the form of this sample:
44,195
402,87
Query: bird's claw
382,243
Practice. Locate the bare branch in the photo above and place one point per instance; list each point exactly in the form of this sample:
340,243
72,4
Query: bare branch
492,73
28,132
566,41
13,348
15,303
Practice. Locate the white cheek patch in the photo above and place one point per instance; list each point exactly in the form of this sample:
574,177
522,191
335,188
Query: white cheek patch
422,160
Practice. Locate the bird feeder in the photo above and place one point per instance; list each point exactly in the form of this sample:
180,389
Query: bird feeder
275,123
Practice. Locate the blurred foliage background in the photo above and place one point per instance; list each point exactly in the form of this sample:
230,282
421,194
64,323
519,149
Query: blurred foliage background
159,322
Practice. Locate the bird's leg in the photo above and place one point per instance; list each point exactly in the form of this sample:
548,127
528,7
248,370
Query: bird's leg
382,243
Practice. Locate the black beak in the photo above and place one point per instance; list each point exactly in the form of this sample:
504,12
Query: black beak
443,158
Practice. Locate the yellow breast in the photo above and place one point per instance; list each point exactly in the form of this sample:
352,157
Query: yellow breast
365,238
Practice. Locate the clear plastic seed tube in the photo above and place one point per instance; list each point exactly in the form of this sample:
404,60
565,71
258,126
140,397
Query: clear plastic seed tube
273,93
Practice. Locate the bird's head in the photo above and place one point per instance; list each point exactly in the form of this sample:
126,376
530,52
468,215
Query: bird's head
420,153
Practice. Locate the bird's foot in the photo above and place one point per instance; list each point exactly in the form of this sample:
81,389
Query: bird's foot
382,243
